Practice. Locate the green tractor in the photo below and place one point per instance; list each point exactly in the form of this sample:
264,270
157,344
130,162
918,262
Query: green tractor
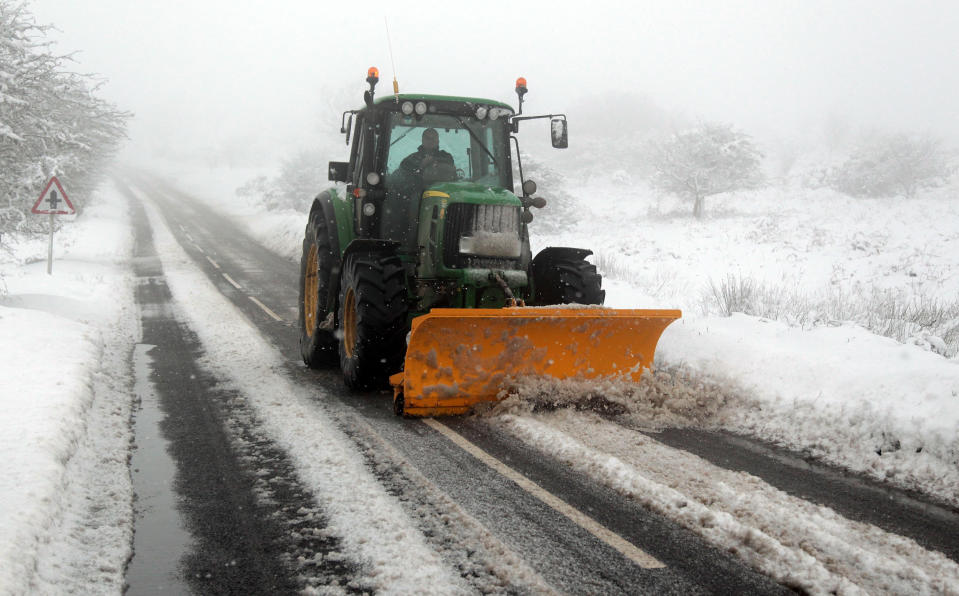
430,222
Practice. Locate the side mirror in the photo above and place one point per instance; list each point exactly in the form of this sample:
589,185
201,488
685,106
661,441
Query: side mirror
559,133
338,171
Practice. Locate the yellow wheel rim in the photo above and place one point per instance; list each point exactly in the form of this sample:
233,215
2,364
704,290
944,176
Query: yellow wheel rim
349,323
310,288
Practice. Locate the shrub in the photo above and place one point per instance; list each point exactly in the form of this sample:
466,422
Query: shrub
928,322
887,165
302,176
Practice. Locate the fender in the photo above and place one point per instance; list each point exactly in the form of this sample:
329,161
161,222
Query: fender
546,258
336,214
549,254
370,246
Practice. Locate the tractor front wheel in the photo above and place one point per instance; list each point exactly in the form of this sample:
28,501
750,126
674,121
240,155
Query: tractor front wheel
372,320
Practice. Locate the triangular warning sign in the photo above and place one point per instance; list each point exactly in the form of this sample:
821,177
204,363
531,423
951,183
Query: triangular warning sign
53,200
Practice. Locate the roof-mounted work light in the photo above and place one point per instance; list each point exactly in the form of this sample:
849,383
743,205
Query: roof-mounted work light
372,77
520,92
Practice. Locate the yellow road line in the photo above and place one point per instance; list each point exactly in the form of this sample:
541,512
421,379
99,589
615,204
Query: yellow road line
628,549
233,283
266,309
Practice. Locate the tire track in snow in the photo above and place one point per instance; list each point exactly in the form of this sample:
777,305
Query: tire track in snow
801,544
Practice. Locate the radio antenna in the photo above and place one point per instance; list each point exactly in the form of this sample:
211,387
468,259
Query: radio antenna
389,42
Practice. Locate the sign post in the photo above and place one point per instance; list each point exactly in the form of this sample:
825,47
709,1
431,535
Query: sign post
53,198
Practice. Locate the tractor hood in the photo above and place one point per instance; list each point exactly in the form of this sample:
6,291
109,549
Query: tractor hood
464,225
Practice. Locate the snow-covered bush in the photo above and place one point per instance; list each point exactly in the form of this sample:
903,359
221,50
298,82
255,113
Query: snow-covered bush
561,212
706,160
893,164
51,122
302,176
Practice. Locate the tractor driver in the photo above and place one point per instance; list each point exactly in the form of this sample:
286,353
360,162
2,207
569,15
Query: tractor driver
429,163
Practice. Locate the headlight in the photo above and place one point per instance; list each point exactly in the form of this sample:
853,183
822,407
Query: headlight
407,107
481,112
491,244
369,209
373,178
420,108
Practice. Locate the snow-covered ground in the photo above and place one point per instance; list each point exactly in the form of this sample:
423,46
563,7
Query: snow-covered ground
66,513
817,384
821,385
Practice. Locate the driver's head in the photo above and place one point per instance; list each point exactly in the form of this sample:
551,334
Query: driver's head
431,139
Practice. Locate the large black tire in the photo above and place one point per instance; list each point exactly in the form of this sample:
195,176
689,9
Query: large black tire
318,345
567,280
372,319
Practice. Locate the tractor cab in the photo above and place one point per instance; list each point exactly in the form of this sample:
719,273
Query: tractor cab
411,153
407,147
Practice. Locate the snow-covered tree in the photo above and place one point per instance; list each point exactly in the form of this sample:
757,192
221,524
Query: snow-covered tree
893,164
562,211
703,161
51,122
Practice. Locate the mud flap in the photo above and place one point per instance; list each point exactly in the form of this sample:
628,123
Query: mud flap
459,357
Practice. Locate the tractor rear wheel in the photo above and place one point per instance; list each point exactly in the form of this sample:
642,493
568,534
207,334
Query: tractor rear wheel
372,319
568,280
317,343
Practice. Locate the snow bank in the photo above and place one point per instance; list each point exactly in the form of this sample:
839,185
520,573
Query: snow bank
839,393
65,493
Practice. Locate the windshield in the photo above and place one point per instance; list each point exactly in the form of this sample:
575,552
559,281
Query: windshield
479,148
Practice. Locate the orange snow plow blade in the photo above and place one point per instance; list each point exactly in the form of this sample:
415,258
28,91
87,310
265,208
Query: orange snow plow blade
459,357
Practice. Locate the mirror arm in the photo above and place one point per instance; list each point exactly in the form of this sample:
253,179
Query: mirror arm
516,119
346,125
519,161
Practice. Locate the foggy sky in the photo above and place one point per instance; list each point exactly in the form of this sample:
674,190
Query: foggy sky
262,74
